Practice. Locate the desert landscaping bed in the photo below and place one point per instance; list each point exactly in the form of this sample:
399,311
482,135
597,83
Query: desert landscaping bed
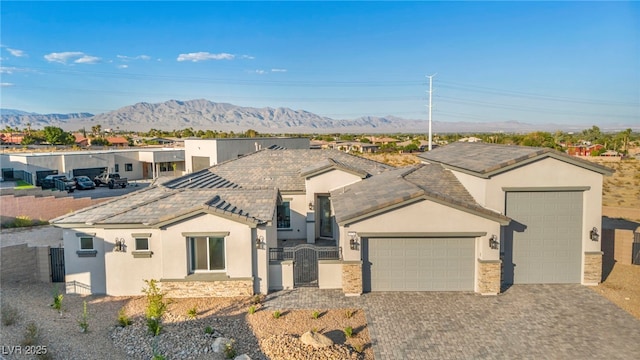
184,336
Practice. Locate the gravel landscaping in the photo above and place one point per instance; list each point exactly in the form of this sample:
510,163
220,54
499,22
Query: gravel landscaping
183,336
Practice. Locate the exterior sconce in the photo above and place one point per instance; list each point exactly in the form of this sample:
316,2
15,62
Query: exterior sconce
593,234
310,205
494,243
260,242
353,242
120,245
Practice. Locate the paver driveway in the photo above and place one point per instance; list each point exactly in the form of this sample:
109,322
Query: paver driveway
525,322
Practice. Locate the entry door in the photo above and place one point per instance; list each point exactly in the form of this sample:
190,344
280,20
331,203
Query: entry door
326,221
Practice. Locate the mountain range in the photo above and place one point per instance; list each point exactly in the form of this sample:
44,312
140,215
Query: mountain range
204,114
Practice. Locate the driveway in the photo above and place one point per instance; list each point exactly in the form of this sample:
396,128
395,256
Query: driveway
525,322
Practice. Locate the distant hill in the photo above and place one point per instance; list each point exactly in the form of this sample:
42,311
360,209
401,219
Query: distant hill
204,114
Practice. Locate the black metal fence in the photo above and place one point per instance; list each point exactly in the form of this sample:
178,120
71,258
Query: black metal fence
635,250
57,264
288,253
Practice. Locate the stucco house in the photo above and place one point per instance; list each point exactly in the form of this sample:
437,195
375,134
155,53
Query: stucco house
472,217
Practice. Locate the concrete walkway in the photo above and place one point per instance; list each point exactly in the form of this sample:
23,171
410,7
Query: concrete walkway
525,322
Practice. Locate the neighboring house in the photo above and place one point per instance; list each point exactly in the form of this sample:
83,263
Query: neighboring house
471,139
118,141
80,140
583,149
381,140
355,146
11,138
278,219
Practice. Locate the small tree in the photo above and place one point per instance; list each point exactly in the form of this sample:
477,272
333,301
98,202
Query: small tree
156,306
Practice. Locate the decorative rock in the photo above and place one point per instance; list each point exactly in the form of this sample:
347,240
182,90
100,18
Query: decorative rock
219,344
315,339
242,357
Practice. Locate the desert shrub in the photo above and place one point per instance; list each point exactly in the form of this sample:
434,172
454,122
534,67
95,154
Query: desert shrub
156,306
348,332
123,318
192,313
10,315
31,334
277,314
252,309
83,321
230,350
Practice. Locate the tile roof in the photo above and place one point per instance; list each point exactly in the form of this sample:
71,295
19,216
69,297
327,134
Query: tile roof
282,169
483,158
160,204
430,181
246,188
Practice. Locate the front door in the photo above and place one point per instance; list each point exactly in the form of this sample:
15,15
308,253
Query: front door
326,221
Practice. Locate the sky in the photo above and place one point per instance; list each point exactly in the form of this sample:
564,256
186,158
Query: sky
574,63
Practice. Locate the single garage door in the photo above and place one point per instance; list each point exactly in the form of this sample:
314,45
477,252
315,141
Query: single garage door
547,248
419,264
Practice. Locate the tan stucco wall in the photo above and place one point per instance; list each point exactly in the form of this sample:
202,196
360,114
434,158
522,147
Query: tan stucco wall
239,246
548,172
126,273
299,208
329,274
84,274
425,217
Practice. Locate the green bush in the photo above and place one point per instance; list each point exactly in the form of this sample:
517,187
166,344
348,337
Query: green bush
84,318
192,313
348,332
276,314
123,318
230,350
156,306
252,309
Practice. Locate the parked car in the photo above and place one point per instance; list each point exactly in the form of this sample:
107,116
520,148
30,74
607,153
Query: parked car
112,180
84,183
50,182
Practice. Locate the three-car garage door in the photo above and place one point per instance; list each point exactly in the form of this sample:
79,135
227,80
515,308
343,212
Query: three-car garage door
419,264
547,248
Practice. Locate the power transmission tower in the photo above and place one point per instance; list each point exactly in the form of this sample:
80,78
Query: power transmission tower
430,105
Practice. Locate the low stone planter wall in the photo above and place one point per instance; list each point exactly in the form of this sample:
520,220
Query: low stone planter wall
192,289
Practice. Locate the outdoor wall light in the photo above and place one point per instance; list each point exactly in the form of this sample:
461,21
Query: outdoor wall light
310,206
260,242
593,234
494,243
353,242
120,245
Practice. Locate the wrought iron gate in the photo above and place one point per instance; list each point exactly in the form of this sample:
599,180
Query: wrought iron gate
57,264
305,266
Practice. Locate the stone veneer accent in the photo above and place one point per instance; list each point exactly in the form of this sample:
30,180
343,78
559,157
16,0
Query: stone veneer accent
489,272
352,278
225,288
592,267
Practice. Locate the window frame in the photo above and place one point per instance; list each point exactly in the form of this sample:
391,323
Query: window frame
142,238
191,254
93,247
116,167
128,167
288,206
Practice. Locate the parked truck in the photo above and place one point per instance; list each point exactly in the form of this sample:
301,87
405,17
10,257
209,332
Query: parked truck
110,179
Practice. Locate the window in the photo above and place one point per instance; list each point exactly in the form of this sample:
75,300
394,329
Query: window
86,243
116,168
165,166
206,253
142,244
128,167
284,216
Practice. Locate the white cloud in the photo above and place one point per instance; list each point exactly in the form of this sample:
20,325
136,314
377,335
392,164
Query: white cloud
279,70
6,84
131,58
260,72
87,59
11,70
75,56
16,52
123,66
203,56
248,57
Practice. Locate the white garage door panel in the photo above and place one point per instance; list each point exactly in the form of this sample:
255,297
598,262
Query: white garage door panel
428,264
549,249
